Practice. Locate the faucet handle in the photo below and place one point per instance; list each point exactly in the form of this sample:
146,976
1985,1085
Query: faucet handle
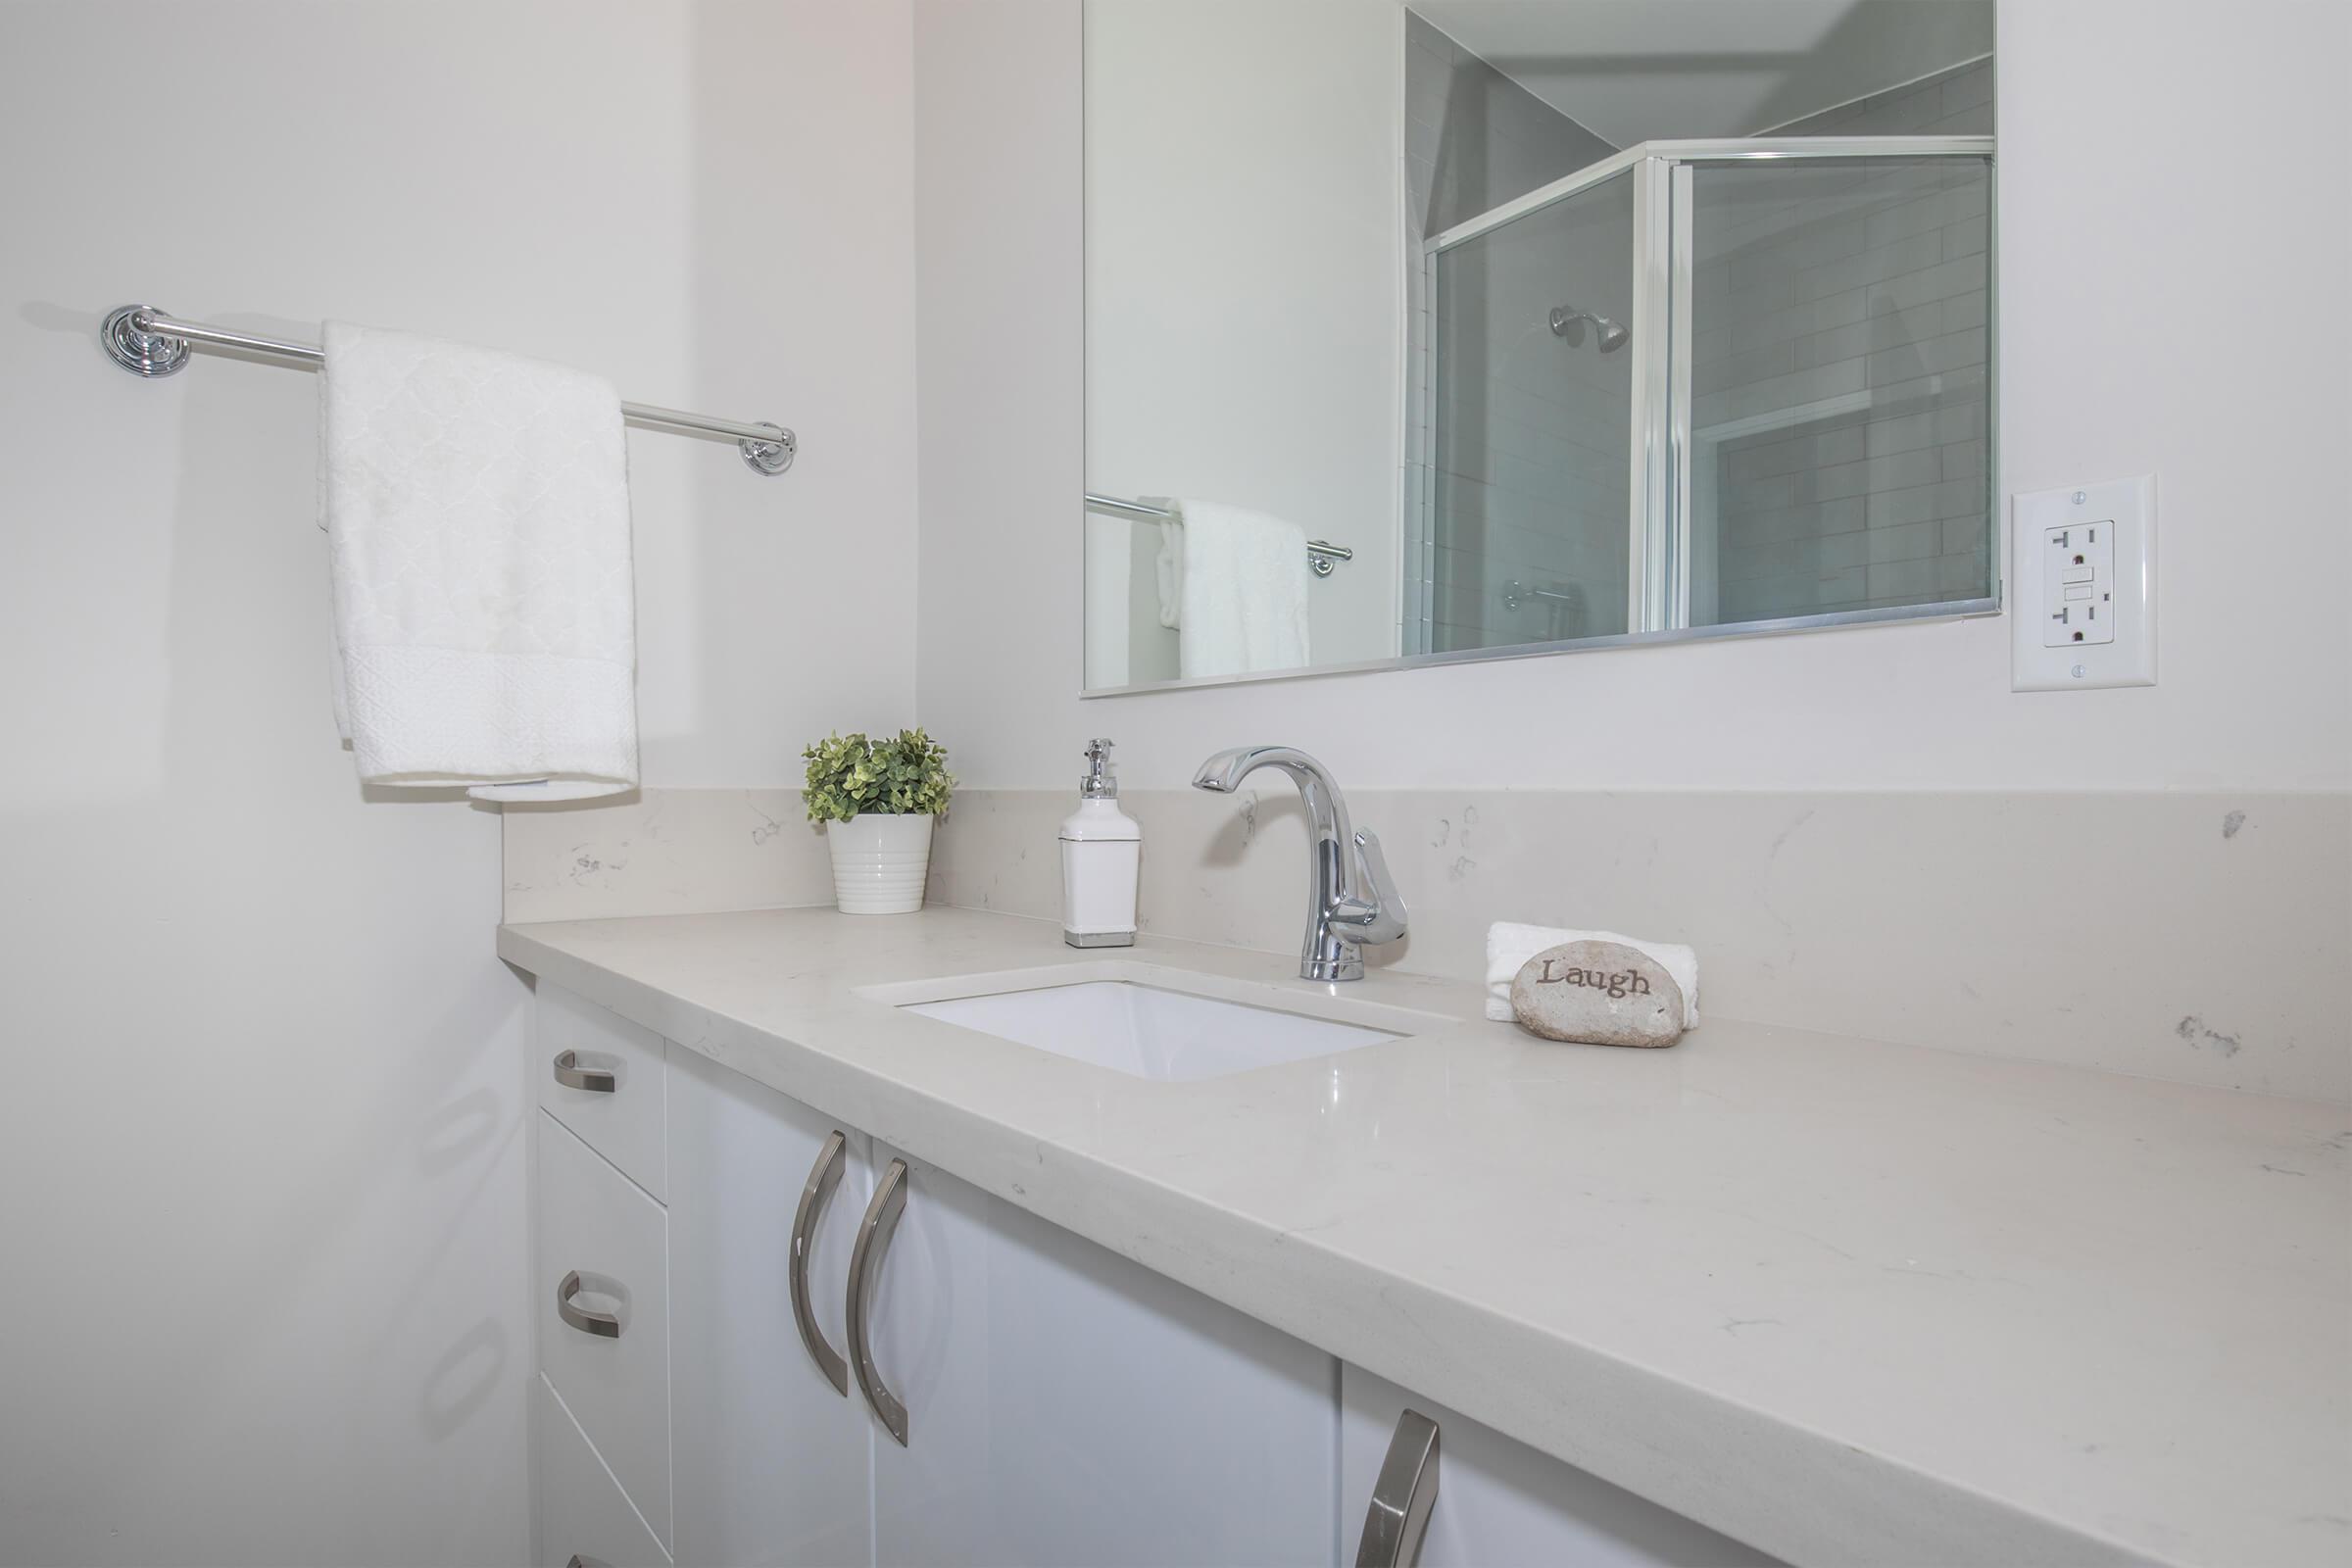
1382,917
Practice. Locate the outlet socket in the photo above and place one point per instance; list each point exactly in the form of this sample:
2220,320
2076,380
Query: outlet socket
2082,603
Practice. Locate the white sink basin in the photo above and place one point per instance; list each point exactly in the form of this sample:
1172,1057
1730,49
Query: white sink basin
1153,1031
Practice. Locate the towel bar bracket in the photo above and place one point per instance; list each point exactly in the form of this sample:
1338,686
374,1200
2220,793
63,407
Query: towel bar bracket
142,353
770,458
147,342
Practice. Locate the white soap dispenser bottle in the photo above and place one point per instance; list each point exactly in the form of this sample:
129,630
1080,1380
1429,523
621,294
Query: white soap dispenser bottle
1102,849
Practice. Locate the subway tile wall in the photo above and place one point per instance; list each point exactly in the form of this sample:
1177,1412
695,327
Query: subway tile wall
1841,383
1872,291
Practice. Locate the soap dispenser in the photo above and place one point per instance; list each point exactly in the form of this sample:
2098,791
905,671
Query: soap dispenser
1101,848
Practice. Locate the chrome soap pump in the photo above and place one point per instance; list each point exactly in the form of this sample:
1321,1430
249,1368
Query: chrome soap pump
1102,849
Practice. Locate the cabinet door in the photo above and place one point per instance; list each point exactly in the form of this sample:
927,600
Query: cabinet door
1501,1505
1065,1405
774,1462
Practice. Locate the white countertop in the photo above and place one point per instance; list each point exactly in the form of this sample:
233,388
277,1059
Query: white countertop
1853,1303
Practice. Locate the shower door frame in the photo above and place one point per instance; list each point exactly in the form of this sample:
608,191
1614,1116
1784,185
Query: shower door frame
1661,504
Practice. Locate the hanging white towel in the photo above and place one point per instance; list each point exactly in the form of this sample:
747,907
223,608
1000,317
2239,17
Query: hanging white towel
1240,581
1510,945
1168,567
478,514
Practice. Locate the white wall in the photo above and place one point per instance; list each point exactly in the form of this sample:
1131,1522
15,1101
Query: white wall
1245,243
2145,264
263,1115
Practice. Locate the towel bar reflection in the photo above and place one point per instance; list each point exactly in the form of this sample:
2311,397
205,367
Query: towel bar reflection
1321,554
146,342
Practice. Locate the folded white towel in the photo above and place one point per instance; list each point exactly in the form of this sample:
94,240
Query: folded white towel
1240,579
1509,946
477,512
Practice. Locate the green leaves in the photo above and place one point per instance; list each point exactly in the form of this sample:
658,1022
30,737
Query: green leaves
849,774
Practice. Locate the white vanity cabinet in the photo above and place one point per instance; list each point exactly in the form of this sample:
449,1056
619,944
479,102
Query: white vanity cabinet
1498,1502
772,1464
766,1338
1066,1405
1062,1404
681,1390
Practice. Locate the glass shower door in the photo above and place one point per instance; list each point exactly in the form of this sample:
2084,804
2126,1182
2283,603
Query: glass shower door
1709,386
1838,387
1527,423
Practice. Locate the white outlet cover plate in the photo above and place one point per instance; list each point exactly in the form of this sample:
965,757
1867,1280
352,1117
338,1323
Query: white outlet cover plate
2128,507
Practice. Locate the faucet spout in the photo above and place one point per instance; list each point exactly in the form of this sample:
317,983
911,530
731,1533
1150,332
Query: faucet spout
1351,899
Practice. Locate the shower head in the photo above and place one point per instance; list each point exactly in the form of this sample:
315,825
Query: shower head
1570,323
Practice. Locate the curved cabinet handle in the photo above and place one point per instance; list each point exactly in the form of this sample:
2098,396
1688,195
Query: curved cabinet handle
572,1076
823,1177
865,1261
1403,1497
604,1325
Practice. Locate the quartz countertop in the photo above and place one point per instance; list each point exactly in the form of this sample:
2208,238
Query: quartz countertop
1850,1301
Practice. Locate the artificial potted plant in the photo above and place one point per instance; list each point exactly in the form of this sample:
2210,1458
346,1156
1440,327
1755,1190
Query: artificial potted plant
878,800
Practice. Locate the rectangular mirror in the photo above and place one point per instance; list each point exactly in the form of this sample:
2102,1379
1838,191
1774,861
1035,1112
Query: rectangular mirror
1480,328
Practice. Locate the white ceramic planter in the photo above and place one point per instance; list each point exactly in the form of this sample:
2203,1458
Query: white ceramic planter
879,861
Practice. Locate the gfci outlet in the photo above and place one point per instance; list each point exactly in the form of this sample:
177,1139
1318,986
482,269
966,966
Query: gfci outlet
2083,603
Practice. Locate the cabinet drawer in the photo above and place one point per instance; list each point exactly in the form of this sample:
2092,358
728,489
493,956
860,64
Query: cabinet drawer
614,1097
582,1513
607,1349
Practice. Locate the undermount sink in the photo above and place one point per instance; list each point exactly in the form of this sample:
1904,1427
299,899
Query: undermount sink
1151,1030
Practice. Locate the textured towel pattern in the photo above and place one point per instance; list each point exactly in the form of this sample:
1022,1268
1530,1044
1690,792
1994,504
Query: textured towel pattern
1240,579
477,512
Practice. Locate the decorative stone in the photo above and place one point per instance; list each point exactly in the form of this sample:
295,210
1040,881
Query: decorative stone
1598,993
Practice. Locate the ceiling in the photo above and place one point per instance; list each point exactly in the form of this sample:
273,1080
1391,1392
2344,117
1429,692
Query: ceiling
1635,71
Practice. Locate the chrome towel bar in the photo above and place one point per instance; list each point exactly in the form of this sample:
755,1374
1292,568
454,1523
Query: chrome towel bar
146,342
1321,554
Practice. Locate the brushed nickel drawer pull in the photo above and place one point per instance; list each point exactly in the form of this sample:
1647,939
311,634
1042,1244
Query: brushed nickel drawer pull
572,1076
604,1325
865,1261
1408,1489
823,1177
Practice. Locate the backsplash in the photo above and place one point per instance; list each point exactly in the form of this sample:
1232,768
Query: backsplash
662,851
2167,935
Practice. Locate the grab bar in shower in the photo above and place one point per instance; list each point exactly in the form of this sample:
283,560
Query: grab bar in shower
1321,554
146,342
1516,593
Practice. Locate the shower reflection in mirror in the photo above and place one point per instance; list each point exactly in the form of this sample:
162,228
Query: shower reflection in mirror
1686,334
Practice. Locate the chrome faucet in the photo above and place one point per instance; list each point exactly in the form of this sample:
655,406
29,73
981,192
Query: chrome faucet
1350,899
